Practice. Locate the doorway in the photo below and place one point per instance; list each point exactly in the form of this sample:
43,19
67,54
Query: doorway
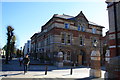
82,58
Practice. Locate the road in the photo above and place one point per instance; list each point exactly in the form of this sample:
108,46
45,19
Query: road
14,71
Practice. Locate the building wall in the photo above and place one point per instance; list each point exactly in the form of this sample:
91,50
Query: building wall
49,41
112,35
56,44
27,47
113,67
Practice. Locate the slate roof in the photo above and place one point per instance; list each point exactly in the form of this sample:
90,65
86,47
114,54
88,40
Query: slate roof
68,17
64,16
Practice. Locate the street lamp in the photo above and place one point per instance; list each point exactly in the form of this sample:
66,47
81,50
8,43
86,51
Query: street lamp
21,52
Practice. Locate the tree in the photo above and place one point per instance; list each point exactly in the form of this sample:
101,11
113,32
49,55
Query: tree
19,53
12,47
9,37
5,47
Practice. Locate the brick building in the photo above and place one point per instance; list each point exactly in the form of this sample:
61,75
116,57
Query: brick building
73,36
114,25
113,66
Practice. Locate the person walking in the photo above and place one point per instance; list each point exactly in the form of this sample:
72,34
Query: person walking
21,60
26,62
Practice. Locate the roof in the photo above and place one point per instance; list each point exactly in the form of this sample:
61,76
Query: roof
35,34
68,17
92,23
64,16
72,18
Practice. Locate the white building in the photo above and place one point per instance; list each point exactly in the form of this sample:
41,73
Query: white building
27,47
2,52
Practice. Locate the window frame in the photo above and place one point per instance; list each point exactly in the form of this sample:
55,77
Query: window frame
63,38
94,30
81,40
68,25
82,28
68,39
79,28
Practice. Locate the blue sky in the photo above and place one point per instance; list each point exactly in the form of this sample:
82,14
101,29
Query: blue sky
28,17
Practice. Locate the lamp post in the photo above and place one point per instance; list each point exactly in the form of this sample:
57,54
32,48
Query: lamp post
21,51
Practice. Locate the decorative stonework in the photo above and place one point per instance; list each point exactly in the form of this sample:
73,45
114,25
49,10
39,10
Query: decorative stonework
50,40
95,64
107,56
60,59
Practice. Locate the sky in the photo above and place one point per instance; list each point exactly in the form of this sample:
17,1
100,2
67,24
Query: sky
27,17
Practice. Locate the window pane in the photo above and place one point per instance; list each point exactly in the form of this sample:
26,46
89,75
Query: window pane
66,25
79,28
93,30
63,38
68,38
82,29
81,41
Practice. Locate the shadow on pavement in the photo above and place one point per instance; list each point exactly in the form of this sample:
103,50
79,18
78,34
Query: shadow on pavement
42,79
90,78
14,66
5,75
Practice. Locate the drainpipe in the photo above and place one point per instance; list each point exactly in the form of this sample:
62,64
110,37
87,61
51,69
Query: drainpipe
116,35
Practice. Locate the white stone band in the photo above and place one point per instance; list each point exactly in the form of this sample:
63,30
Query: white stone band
113,46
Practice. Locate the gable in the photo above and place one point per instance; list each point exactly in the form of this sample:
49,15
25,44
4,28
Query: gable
81,17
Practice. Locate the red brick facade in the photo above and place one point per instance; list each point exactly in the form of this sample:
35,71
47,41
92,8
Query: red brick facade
113,67
61,33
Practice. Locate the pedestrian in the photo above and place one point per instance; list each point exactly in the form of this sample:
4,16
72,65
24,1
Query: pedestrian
26,62
21,60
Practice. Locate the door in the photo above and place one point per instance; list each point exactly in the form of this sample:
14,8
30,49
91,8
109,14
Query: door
79,59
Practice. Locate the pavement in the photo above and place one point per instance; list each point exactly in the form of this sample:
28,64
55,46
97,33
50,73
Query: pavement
13,71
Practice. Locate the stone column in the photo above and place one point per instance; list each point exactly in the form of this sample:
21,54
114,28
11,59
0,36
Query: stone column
107,60
60,59
107,56
95,64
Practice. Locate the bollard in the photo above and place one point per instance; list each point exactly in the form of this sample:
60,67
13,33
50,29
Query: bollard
46,70
71,71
